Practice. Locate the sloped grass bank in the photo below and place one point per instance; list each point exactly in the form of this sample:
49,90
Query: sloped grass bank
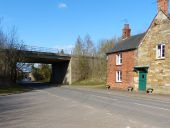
91,83
14,88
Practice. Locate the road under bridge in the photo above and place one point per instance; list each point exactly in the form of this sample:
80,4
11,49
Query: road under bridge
60,64
64,70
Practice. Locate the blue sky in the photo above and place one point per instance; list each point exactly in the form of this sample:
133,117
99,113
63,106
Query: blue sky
57,23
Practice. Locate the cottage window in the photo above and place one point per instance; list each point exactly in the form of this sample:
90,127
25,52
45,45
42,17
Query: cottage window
119,59
107,57
118,76
160,51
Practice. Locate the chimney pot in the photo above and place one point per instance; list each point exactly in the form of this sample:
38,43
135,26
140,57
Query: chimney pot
126,32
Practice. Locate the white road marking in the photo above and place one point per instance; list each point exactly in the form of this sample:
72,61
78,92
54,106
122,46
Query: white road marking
101,97
127,127
110,114
53,95
144,105
89,107
154,100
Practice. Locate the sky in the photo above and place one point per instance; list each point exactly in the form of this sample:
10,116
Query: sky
58,23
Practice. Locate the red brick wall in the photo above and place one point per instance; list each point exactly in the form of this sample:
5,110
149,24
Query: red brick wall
128,63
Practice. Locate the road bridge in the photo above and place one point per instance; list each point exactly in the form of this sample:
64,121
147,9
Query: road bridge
64,70
59,59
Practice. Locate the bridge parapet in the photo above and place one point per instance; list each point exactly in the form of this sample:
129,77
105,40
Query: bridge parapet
46,50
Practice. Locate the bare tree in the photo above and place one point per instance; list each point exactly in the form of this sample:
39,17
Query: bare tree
11,52
91,62
81,65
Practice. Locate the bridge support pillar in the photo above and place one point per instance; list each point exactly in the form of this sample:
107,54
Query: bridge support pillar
59,71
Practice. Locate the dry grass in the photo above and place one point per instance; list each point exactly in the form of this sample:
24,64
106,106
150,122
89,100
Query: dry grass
90,83
13,88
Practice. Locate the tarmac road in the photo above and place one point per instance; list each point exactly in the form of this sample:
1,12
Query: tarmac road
68,107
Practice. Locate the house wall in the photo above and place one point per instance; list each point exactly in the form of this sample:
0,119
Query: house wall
127,67
159,70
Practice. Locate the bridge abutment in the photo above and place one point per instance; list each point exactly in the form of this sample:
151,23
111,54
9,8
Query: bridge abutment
59,71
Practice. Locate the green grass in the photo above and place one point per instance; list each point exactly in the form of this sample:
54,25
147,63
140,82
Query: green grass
90,83
13,89
44,81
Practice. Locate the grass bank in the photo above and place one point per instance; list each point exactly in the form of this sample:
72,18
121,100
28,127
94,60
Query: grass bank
13,89
90,83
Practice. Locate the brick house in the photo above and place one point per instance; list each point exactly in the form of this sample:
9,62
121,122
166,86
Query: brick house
142,61
121,60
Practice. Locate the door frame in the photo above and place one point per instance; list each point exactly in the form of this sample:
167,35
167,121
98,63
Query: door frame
141,70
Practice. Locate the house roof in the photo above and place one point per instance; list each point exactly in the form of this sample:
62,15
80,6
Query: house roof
127,44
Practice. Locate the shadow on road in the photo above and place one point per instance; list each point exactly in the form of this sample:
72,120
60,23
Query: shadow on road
38,85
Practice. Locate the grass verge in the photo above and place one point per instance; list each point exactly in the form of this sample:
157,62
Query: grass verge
13,89
90,83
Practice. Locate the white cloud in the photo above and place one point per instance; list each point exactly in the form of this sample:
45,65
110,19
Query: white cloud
62,5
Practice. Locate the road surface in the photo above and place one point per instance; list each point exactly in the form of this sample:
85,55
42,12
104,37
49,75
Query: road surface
68,107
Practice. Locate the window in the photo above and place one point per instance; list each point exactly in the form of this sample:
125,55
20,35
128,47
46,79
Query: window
118,76
160,51
107,57
119,59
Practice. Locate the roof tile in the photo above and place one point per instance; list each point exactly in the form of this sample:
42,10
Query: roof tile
127,44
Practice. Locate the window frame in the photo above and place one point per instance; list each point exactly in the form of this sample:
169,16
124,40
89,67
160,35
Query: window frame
119,59
118,76
160,53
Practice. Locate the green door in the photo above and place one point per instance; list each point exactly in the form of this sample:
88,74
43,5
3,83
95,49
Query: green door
142,81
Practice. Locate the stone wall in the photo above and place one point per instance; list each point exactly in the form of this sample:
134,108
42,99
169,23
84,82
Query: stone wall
159,69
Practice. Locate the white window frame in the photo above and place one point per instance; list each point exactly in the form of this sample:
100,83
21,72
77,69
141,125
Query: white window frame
107,57
119,59
160,52
118,76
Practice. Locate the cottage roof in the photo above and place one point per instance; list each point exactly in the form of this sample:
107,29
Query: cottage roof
127,44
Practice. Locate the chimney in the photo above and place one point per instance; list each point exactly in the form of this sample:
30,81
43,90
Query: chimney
163,6
126,31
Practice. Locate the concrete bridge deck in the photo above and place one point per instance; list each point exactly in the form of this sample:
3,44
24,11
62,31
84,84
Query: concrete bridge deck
46,58
59,61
